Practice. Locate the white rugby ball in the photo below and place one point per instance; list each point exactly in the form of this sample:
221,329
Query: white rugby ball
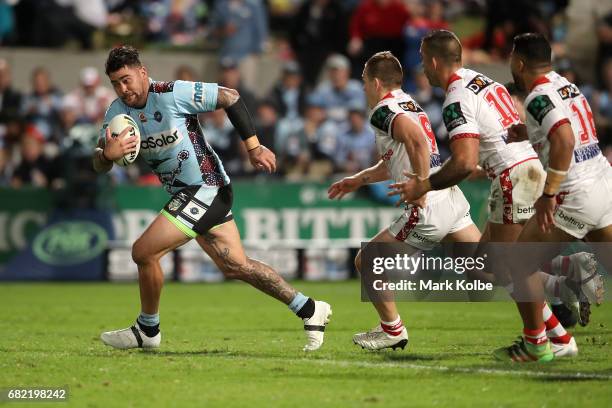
116,126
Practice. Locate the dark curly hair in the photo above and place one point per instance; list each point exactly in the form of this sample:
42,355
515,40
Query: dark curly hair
120,57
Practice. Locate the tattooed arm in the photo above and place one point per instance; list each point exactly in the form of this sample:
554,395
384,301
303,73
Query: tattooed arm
226,97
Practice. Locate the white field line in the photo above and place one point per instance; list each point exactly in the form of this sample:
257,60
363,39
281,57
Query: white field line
465,370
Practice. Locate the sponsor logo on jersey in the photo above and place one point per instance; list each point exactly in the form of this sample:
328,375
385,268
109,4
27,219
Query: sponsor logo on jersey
453,116
198,93
387,156
410,106
539,107
525,210
568,91
381,118
479,83
435,161
569,219
193,211
161,141
586,153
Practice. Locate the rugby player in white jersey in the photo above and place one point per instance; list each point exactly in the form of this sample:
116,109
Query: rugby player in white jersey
576,202
407,145
477,113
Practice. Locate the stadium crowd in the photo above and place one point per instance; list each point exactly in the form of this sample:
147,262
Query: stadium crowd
315,117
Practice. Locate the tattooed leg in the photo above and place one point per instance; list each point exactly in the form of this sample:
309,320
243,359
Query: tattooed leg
224,247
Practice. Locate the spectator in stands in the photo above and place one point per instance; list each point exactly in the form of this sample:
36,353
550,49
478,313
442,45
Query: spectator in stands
52,23
265,122
424,17
338,91
5,168
185,73
93,98
584,17
10,99
231,77
356,146
319,29
35,169
223,138
42,106
289,93
602,105
376,25
243,28
604,34
306,148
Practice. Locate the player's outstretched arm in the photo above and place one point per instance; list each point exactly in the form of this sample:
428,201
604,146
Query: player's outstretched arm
374,174
260,156
113,148
561,149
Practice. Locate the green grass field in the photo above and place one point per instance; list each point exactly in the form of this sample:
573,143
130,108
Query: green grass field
228,345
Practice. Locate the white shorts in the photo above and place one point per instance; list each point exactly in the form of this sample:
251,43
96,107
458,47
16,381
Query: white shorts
587,209
515,191
422,228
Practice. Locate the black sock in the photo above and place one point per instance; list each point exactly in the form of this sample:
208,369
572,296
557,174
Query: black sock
150,331
307,310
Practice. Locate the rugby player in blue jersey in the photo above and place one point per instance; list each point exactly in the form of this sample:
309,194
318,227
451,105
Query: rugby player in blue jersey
173,145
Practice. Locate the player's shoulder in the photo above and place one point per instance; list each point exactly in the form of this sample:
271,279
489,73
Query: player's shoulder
115,108
162,87
474,83
395,103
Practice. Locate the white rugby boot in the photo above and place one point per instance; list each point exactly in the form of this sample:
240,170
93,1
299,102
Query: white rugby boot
378,339
132,337
314,326
565,350
582,287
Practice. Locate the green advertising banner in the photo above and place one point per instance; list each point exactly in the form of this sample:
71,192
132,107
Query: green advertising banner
273,211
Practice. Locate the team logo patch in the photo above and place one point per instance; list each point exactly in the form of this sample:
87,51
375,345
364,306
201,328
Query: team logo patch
453,116
174,204
194,211
539,107
157,116
568,91
183,155
381,118
479,83
387,156
142,117
410,106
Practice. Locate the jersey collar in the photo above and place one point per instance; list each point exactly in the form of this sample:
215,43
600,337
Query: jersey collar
539,81
453,78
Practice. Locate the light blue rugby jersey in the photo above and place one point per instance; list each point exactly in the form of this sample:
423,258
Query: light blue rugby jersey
171,139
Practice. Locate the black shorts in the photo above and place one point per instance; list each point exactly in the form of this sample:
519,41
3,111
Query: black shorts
197,209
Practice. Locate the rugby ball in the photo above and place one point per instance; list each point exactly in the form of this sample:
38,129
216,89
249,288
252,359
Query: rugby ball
116,126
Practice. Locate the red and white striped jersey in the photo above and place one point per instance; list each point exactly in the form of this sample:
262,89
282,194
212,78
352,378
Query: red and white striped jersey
478,107
552,102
